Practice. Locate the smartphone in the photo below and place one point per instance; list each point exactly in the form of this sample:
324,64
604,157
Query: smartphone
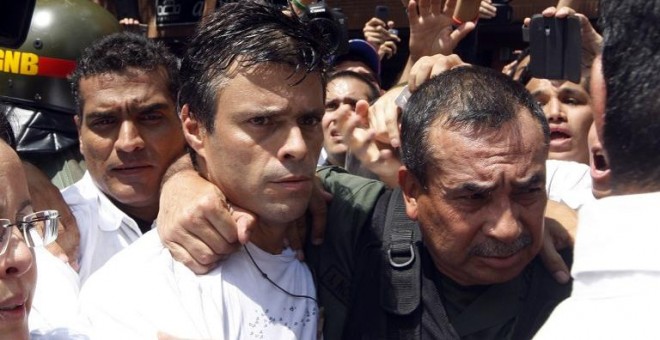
466,10
555,47
382,13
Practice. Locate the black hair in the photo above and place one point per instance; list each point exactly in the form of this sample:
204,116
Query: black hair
118,52
474,97
373,90
631,68
247,34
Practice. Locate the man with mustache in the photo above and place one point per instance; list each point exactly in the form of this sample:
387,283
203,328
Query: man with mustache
474,181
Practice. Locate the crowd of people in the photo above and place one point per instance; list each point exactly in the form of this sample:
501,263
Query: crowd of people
261,186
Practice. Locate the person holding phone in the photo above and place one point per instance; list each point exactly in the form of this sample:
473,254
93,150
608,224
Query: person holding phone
379,31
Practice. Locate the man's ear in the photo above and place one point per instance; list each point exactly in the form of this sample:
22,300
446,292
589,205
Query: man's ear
411,189
77,119
192,130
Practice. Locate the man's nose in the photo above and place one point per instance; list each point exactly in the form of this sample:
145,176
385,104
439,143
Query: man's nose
129,138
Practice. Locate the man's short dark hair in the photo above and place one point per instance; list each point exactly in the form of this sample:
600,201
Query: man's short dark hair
631,67
474,97
373,90
119,52
248,33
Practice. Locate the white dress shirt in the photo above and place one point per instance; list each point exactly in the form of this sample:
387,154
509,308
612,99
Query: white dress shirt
616,268
104,229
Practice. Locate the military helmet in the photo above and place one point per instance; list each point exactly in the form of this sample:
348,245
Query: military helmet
36,73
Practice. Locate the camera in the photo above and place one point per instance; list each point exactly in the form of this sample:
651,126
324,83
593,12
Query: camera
332,24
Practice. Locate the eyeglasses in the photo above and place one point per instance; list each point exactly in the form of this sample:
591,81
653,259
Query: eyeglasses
38,229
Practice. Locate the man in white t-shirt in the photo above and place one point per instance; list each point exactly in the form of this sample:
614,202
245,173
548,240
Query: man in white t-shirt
252,103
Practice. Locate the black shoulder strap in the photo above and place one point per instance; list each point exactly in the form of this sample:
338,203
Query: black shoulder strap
400,292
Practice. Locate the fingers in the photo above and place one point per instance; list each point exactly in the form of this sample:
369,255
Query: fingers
460,32
295,237
424,7
413,13
487,10
427,67
391,119
205,261
377,32
382,119
553,261
195,221
129,21
318,209
436,7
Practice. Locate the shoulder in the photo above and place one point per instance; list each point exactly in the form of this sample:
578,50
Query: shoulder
350,189
128,267
83,192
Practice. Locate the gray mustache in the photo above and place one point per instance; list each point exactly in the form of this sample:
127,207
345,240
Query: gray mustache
495,248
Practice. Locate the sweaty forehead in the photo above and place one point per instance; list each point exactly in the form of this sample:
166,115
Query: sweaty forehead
481,153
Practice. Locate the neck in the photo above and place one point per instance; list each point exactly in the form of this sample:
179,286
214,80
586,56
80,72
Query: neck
146,213
270,237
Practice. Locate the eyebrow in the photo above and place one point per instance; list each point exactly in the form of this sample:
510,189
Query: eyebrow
21,207
472,187
573,92
140,110
533,180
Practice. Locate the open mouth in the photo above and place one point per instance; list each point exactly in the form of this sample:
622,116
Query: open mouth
599,162
558,135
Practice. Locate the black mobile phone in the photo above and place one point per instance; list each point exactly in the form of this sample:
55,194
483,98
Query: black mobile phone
383,13
555,47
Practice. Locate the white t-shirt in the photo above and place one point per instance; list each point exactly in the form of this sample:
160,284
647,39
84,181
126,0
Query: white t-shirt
142,291
568,182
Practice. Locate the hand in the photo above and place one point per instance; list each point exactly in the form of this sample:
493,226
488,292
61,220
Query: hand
431,30
559,233
487,10
387,50
196,224
384,118
129,22
379,158
44,196
377,32
427,67
318,211
591,40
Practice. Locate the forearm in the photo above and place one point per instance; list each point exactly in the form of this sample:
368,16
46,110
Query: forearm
405,74
183,163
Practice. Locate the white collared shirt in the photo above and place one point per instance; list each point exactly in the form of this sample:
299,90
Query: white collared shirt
616,271
104,229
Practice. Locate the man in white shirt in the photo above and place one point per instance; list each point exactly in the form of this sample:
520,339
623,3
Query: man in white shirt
616,266
252,95
125,87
